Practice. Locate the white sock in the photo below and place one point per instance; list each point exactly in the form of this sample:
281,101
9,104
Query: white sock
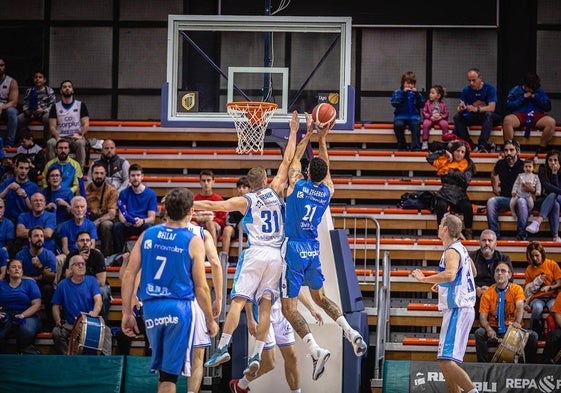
243,383
341,321
257,348
296,391
312,345
224,340
474,390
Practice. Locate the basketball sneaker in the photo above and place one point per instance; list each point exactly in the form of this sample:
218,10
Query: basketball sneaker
356,339
318,360
234,388
253,365
219,356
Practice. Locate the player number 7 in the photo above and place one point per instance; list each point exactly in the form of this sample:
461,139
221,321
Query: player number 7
162,266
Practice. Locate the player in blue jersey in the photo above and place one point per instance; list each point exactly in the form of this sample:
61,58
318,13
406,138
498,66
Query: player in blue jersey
172,273
456,298
258,278
306,202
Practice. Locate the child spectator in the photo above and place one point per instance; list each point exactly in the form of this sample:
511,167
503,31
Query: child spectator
34,153
524,181
435,112
408,103
231,230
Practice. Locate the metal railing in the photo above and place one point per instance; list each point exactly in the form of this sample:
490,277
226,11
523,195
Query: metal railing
365,226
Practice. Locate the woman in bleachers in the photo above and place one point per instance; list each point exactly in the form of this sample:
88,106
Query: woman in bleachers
57,196
20,300
456,169
550,272
550,201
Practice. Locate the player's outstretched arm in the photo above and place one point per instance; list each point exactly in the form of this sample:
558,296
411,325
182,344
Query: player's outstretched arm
280,180
215,271
322,153
229,205
295,168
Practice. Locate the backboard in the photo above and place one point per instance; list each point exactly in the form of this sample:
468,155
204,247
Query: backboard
295,62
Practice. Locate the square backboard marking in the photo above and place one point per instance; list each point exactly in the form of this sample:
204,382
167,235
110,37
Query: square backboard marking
283,71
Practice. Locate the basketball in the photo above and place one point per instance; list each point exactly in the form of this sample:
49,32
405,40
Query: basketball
324,115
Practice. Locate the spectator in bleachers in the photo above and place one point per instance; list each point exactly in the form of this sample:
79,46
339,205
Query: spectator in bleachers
37,103
37,217
70,169
16,190
74,295
435,112
7,229
455,168
20,300
485,260
95,266
57,196
212,222
551,274
102,205
34,153
69,120
502,305
39,263
116,168
503,176
524,181
137,205
550,201
68,230
231,230
4,257
408,103
552,349
9,98
527,104
478,105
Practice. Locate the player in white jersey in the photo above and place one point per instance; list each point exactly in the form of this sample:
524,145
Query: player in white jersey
263,221
456,299
281,334
201,339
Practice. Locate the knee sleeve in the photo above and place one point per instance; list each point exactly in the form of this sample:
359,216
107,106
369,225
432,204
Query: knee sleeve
165,377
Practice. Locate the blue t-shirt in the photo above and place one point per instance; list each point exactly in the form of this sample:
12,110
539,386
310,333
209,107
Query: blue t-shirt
18,299
70,230
484,96
45,220
3,257
63,193
138,205
15,205
76,298
47,258
7,231
166,264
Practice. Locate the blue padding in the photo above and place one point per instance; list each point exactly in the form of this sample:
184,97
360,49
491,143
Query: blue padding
396,376
61,373
139,379
351,296
239,348
352,364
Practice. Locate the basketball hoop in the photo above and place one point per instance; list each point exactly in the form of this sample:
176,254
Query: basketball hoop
251,120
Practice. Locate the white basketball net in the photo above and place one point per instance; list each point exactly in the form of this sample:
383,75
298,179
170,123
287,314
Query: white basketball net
251,120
